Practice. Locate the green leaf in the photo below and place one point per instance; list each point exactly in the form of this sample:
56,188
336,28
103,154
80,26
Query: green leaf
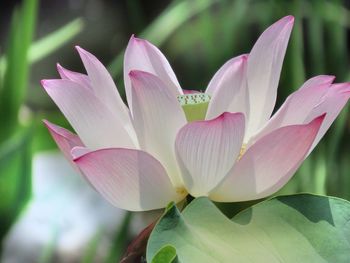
166,254
15,77
296,228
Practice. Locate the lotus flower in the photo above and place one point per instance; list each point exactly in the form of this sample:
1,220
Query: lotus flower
170,142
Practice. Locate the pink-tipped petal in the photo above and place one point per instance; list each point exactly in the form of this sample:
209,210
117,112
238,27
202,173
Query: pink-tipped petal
129,179
92,120
64,139
268,164
228,89
142,55
332,103
104,87
263,71
79,78
207,150
298,106
79,151
157,118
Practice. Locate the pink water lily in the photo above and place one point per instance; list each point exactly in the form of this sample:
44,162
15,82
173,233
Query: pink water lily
158,150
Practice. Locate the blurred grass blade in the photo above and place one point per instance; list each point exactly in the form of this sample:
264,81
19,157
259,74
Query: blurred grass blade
48,253
50,43
120,241
337,51
55,40
90,253
16,75
315,39
15,179
320,174
296,51
164,25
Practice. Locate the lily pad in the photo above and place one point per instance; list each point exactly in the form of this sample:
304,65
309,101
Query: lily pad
295,228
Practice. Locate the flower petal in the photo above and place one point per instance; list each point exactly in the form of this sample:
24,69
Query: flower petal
129,179
92,120
263,71
268,164
64,139
207,150
157,118
332,103
298,106
142,55
228,89
104,87
79,151
79,78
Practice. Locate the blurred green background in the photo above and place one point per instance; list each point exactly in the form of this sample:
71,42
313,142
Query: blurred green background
197,37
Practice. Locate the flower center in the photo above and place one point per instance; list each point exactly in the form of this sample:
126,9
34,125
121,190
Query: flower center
195,105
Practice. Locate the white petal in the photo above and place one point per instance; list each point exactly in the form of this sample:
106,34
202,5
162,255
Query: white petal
92,120
142,55
77,77
64,139
207,150
332,103
228,89
157,118
104,87
298,106
129,179
263,71
268,164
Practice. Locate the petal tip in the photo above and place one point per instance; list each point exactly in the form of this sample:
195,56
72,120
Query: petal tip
53,129
136,74
329,78
78,48
44,83
60,69
133,73
287,21
319,120
46,123
290,18
244,57
225,116
82,52
137,40
78,152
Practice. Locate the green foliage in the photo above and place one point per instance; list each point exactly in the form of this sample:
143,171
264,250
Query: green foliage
297,228
51,42
15,138
15,182
165,254
16,74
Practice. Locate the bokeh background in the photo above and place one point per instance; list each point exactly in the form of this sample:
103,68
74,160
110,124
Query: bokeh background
47,212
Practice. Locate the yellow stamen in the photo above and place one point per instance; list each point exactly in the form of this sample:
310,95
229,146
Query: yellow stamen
243,149
181,191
